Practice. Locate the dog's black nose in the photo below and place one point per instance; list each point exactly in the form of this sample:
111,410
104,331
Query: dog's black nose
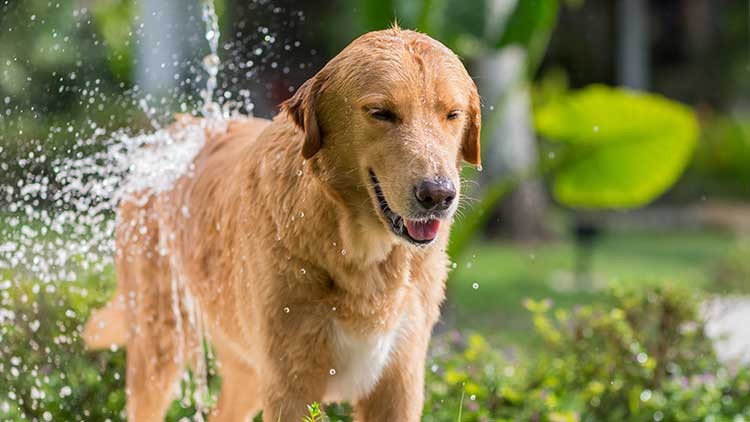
437,194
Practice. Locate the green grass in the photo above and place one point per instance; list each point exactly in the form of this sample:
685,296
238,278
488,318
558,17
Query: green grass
507,274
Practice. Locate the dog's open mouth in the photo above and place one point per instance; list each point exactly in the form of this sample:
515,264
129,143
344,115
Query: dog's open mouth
421,232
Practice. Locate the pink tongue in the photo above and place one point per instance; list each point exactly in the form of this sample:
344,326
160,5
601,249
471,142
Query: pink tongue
422,230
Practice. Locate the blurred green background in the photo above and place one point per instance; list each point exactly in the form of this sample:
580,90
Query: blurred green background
611,209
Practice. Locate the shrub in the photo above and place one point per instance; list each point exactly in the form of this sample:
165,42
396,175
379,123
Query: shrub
641,355
46,373
644,357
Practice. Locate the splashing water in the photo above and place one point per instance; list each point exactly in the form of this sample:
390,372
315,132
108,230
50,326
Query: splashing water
211,62
59,227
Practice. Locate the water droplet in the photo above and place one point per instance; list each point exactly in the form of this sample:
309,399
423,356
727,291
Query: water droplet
475,286
302,271
332,372
66,391
472,397
211,64
343,252
646,395
299,173
479,167
286,310
642,358
301,214
333,309
454,265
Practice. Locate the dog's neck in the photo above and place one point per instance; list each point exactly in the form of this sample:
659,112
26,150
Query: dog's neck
364,239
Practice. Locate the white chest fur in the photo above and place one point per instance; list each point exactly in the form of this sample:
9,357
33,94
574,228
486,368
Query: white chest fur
359,363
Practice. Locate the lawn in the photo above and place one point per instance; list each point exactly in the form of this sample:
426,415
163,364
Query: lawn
488,287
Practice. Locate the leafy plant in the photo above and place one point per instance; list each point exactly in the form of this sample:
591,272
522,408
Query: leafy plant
314,414
641,356
46,372
615,148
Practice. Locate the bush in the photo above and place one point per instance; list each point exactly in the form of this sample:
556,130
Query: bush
642,355
645,357
46,373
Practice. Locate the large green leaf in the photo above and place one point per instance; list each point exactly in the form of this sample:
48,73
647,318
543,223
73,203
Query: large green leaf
619,149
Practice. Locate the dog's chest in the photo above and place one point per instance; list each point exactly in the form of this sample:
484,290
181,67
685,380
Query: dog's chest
360,362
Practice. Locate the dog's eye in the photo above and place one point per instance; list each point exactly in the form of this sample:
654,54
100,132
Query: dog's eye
453,115
382,114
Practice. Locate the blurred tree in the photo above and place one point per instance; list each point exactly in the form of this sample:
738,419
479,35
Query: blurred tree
169,35
63,69
633,44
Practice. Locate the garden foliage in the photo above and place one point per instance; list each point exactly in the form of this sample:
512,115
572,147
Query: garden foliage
640,355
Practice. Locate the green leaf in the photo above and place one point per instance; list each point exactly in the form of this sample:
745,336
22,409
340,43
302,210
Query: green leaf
620,149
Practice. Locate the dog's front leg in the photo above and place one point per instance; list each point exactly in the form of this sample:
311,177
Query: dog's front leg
284,406
399,394
296,368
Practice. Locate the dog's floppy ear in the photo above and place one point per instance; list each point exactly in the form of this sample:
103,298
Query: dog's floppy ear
470,148
301,108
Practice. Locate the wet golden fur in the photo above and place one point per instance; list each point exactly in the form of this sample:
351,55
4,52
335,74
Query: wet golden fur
277,237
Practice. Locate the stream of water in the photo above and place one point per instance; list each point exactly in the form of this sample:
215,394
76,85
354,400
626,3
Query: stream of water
59,228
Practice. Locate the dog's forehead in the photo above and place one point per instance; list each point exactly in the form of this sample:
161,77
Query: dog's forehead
395,62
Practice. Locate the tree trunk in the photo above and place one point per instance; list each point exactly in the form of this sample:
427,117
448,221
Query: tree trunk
170,37
633,48
510,147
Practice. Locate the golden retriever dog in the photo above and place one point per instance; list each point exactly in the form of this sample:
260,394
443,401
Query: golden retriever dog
313,245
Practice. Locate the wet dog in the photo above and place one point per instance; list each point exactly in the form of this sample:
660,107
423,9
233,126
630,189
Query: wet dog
312,245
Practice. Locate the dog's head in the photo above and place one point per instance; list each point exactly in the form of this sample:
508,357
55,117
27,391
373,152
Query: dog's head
389,121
